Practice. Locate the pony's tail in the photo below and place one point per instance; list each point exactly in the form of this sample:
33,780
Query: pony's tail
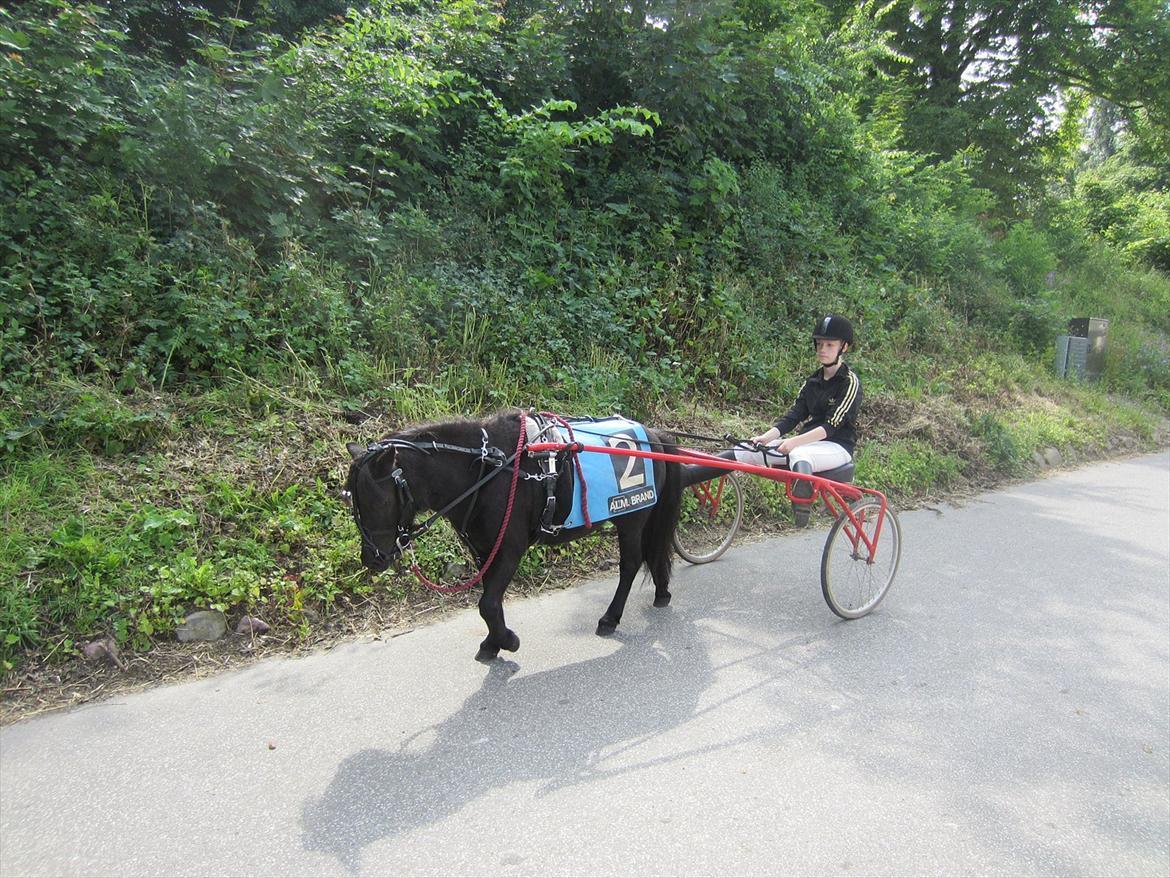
658,535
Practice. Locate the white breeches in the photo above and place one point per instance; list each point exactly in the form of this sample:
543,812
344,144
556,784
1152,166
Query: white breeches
821,456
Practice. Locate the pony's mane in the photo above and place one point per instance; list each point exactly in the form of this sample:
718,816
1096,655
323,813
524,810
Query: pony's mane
465,429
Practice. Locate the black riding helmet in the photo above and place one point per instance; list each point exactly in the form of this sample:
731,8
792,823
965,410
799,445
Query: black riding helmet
833,326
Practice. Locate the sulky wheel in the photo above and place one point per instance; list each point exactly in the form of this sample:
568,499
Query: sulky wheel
709,519
851,583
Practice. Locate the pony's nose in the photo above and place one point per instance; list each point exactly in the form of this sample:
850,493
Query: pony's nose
373,562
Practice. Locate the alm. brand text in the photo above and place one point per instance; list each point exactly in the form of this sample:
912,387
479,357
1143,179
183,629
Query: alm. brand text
627,502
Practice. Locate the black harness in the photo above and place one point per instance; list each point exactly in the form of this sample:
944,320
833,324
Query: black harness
404,529
541,428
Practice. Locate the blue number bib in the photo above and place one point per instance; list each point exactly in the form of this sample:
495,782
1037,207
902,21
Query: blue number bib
615,483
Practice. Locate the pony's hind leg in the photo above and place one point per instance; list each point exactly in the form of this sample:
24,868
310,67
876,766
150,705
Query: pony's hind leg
661,595
491,610
630,560
661,579
658,534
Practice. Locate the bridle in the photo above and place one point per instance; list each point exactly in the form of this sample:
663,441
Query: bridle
404,529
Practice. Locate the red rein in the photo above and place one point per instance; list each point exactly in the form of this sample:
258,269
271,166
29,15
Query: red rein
464,586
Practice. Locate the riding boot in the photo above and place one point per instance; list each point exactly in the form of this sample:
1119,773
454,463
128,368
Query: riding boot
801,488
693,473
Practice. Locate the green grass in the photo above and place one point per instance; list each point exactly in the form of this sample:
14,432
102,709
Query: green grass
234,505
33,499
906,468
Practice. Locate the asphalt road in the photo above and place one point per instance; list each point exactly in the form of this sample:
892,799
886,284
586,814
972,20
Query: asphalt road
1006,711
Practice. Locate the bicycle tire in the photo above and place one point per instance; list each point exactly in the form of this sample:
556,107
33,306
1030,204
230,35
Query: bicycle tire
852,585
704,533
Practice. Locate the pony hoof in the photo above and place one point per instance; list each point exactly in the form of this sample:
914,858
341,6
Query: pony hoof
604,628
662,600
513,643
486,656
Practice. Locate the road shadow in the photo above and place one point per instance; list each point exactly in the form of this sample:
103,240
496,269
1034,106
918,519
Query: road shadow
562,726
1033,663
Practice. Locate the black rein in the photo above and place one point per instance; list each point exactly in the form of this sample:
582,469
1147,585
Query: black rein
406,532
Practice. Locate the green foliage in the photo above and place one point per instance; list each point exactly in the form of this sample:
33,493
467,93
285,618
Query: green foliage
1026,256
906,467
369,182
71,415
1050,426
531,170
1011,438
964,87
1136,302
1128,206
1003,448
80,566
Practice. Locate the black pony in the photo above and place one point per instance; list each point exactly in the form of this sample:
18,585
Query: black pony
463,469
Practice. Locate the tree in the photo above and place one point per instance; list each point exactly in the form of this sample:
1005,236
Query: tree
165,27
1119,50
990,74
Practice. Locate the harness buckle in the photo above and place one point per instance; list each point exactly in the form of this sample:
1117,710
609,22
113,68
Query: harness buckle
408,548
550,508
403,543
491,454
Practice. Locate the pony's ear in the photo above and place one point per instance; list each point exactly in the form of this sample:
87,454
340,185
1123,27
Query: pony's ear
355,450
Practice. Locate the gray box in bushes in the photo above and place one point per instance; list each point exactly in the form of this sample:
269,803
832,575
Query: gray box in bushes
1070,356
1095,330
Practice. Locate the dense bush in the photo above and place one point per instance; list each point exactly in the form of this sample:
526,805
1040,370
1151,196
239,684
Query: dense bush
1128,208
388,186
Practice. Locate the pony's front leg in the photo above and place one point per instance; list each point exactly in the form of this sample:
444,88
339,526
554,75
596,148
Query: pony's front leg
491,609
630,561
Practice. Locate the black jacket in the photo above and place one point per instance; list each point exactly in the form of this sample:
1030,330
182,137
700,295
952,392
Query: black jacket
831,404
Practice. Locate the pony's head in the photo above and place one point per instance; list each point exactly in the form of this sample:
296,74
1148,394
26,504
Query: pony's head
383,508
